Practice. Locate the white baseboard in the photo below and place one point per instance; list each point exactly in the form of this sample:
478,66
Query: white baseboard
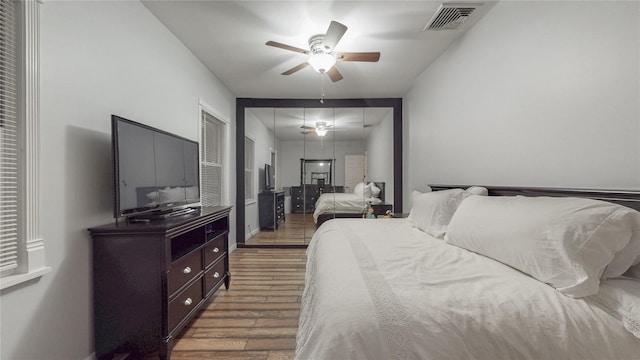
251,234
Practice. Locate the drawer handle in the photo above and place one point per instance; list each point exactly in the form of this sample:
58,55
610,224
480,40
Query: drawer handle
188,302
216,275
187,270
216,250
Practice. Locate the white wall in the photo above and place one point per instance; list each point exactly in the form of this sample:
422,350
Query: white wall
97,59
537,93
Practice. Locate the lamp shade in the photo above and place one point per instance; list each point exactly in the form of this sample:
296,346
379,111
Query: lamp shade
322,62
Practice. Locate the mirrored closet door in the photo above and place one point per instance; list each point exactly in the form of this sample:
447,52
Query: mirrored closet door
302,161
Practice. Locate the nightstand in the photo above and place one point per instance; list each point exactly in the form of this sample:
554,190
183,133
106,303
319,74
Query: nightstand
381,209
400,215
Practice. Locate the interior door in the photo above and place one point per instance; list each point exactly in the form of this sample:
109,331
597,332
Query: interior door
355,171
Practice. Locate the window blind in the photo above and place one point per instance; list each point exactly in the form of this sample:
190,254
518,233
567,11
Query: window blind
212,155
9,137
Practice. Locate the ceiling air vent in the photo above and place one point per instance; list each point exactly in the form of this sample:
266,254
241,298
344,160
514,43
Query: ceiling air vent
451,16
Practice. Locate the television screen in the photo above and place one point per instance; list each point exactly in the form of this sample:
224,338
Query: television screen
268,177
153,169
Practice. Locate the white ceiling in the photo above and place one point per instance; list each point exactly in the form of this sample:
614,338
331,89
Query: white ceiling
347,123
229,38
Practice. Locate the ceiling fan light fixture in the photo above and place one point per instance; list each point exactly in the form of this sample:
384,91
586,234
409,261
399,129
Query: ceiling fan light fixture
322,62
321,128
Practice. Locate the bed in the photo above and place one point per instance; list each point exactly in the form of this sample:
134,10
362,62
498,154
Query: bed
348,205
386,289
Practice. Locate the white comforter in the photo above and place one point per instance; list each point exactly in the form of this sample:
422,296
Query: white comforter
342,203
380,289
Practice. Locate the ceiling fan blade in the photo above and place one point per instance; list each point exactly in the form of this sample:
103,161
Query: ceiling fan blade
307,127
352,124
334,74
333,35
287,47
359,56
307,132
296,68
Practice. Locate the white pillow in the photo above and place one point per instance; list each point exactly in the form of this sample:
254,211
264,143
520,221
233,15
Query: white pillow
432,211
625,258
478,190
621,298
375,191
153,195
362,190
564,242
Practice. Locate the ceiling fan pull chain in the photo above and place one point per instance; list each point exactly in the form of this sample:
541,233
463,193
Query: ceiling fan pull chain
321,89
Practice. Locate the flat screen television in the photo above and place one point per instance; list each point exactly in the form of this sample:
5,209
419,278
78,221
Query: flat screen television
155,172
268,178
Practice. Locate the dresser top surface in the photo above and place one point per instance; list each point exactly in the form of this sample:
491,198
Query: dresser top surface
203,212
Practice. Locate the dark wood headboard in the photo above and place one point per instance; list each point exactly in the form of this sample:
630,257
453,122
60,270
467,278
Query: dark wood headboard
628,198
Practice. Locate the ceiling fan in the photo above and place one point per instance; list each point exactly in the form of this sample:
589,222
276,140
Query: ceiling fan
322,54
320,129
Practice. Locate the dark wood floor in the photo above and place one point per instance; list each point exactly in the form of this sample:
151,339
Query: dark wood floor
257,318
297,229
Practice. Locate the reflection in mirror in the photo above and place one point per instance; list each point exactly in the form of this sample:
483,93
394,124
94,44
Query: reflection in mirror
333,149
259,139
315,172
355,144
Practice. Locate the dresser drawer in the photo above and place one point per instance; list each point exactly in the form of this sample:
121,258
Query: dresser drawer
183,270
184,303
213,276
214,250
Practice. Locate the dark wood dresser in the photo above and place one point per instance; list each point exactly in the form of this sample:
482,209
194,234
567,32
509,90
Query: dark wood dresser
303,198
270,209
150,279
